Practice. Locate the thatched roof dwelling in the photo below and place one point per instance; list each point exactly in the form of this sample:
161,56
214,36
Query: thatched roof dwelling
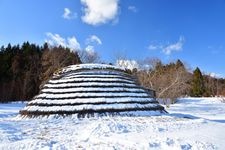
92,89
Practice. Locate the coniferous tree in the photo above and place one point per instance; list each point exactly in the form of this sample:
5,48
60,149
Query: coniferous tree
197,87
21,68
179,64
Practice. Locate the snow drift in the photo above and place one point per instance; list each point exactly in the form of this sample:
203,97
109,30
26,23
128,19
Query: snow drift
192,124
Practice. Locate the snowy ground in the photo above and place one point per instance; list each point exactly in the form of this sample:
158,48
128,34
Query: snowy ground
193,123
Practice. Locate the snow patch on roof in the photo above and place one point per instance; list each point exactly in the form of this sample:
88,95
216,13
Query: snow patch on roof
90,66
88,100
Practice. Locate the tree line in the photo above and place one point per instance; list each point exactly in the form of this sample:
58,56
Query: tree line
25,68
174,80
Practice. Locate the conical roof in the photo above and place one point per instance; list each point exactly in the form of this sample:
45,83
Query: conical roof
89,89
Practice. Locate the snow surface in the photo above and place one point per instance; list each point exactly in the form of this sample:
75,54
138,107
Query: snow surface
193,123
92,74
89,89
98,72
89,84
105,94
94,100
89,67
90,80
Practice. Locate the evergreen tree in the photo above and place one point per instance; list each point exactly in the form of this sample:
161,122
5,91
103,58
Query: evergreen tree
21,68
198,87
179,64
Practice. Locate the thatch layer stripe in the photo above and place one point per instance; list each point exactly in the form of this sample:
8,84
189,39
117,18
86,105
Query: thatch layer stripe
91,103
100,76
119,74
84,106
76,92
90,97
84,112
131,86
92,81
87,100
90,89
90,84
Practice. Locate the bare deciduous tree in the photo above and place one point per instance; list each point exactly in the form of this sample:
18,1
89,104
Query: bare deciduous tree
169,81
54,59
89,57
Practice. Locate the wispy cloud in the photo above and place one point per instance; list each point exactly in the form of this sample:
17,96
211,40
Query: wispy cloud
57,40
98,12
132,8
91,42
178,46
68,14
216,49
90,49
215,75
93,39
154,47
73,43
169,48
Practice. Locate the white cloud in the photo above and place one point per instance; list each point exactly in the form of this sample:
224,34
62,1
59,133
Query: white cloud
215,75
153,47
216,49
93,39
90,41
89,55
68,14
73,43
90,49
132,8
169,48
178,46
129,64
98,12
57,40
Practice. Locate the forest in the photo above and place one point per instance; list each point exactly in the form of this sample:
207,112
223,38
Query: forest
25,68
174,80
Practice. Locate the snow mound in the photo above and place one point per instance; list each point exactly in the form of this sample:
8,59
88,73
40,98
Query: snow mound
89,89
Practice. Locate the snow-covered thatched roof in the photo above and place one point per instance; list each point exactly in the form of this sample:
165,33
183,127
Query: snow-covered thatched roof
90,89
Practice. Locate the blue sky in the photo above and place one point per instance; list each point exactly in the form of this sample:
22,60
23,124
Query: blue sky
191,30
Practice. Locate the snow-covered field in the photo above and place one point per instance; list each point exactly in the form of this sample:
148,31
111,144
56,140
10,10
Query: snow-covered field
193,123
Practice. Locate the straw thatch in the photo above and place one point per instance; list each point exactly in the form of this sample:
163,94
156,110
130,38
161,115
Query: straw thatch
90,89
